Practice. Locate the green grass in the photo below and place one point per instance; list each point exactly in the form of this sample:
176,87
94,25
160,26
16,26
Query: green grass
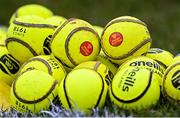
162,109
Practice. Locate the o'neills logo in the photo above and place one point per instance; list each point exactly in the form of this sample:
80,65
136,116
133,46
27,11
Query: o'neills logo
116,39
86,48
130,80
147,63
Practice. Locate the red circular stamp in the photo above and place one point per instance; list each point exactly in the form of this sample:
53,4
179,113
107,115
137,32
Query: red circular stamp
116,39
86,48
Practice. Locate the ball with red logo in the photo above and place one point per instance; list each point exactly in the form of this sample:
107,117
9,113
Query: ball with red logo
125,37
75,42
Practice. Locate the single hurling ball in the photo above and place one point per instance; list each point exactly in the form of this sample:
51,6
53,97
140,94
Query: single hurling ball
75,42
83,90
125,37
26,36
171,83
134,89
33,91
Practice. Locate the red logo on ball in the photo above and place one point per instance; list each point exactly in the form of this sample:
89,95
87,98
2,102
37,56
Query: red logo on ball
116,39
86,48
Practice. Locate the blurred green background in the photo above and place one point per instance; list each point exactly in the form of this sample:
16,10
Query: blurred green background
161,16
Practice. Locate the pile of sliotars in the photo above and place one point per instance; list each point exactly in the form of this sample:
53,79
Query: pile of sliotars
47,58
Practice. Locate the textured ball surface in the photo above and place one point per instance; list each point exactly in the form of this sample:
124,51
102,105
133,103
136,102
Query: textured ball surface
103,59
148,63
99,67
125,37
171,83
46,63
176,58
26,36
75,42
134,89
8,65
4,96
33,91
83,90
4,28
99,30
2,34
54,21
164,58
31,9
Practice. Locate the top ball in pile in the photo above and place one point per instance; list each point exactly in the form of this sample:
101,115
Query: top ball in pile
31,9
125,37
75,42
